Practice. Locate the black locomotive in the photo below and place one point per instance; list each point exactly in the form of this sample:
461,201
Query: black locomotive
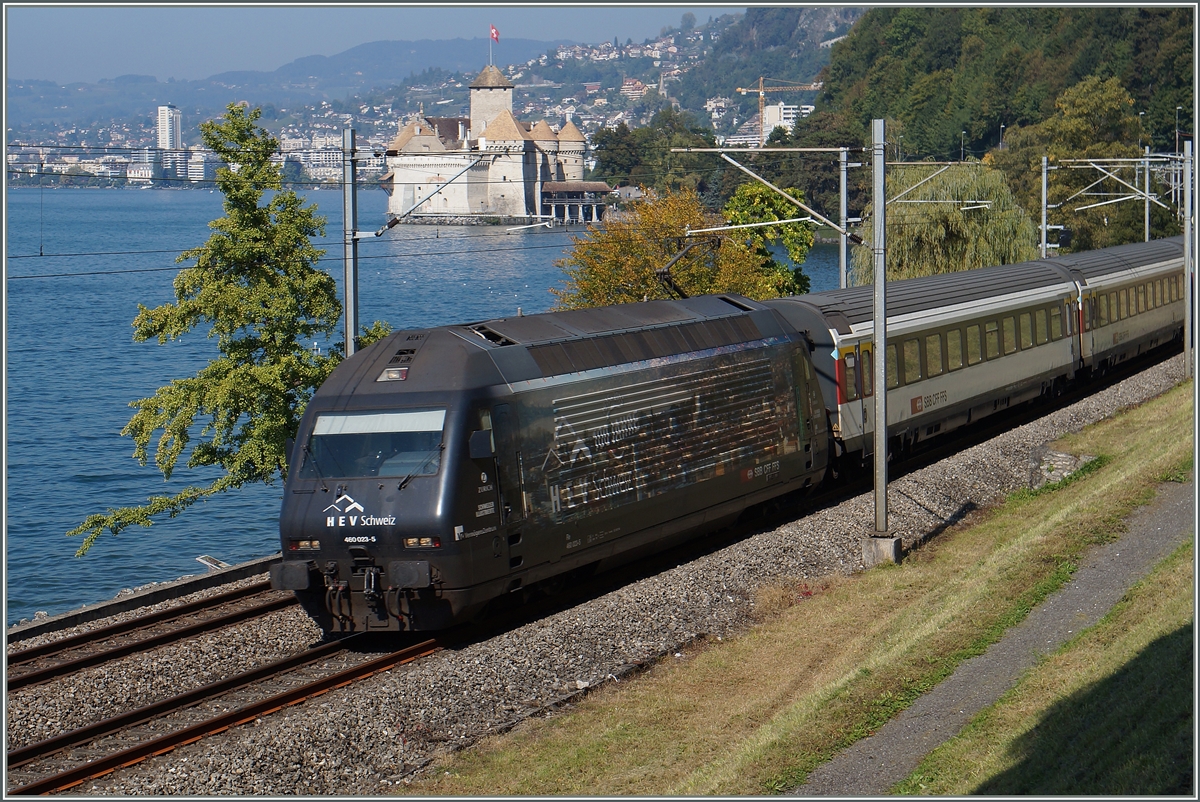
441,468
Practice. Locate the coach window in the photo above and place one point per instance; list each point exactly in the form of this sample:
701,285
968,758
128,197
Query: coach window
1157,300
1141,298
1039,326
893,375
1175,285
1123,297
1056,330
974,348
1102,314
912,361
867,371
1026,330
933,355
1010,335
954,356
991,339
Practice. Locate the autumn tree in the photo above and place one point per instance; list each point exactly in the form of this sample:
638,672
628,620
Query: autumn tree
941,222
256,286
617,261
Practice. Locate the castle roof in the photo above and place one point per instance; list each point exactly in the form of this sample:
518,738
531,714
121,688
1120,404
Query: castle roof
569,133
543,132
505,128
417,136
491,78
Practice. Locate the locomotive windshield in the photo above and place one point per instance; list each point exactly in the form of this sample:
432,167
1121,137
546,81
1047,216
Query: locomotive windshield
375,444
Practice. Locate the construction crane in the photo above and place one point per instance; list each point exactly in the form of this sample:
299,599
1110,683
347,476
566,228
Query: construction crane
762,91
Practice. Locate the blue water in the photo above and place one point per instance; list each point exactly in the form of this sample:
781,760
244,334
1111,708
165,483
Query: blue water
72,367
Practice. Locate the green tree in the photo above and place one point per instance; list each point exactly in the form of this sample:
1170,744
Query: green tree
616,262
644,155
754,202
256,285
963,218
1094,119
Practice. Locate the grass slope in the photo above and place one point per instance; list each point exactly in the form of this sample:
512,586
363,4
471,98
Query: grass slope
757,713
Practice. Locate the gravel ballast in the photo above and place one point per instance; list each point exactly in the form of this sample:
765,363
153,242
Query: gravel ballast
364,738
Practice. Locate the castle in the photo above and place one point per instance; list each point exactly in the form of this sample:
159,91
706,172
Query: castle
491,164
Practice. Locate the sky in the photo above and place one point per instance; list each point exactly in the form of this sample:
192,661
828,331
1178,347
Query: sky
69,44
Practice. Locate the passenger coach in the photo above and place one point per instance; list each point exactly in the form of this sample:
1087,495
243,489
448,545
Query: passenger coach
964,345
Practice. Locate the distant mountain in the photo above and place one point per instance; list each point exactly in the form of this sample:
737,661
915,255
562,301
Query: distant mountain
375,65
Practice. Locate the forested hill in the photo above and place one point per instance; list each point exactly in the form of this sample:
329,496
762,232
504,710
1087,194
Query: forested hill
779,43
936,72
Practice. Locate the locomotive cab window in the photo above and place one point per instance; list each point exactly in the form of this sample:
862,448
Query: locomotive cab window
394,444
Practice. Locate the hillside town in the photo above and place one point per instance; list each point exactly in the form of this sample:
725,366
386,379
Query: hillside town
163,150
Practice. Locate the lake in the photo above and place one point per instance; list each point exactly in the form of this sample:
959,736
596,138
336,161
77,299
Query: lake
72,367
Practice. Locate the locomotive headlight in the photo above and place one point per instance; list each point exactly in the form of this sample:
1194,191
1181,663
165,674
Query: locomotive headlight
297,545
422,542
393,375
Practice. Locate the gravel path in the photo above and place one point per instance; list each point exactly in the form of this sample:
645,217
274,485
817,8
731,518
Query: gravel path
873,765
364,738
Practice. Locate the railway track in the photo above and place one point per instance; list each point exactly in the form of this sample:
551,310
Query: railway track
98,749
66,656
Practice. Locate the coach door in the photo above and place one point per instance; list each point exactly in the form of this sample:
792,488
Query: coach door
854,382
866,380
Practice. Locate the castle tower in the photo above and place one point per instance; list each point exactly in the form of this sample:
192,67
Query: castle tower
491,93
547,145
512,179
571,144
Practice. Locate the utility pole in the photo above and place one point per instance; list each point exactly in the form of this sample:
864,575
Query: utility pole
349,240
842,204
1189,267
1045,171
1146,165
880,547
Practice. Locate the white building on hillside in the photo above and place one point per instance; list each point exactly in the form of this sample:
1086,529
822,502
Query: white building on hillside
170,128
490,164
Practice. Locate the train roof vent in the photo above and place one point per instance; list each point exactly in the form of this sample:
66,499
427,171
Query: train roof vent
491,335
736,303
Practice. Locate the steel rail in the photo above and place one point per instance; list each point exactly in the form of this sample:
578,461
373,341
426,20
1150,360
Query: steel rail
133,647
25,655
36,751
217,724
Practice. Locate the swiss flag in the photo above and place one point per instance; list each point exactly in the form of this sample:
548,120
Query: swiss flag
495,33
